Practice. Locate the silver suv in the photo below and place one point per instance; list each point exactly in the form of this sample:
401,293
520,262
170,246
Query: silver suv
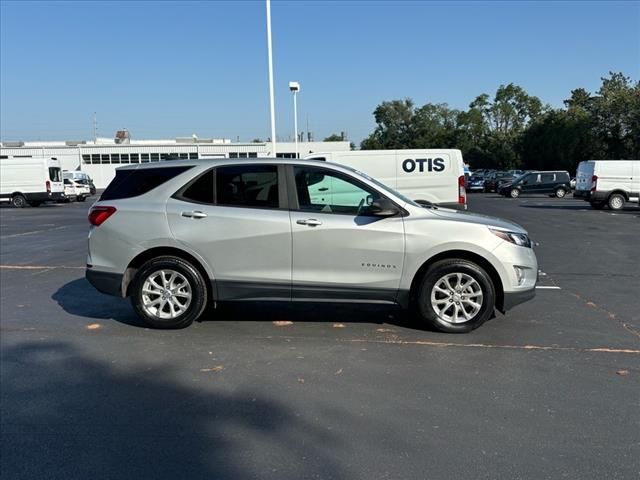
178,234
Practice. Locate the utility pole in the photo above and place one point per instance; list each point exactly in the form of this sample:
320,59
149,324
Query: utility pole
271,99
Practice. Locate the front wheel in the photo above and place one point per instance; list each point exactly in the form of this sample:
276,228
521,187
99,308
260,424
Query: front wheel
561,192
616,201
456,296
169,292
515,193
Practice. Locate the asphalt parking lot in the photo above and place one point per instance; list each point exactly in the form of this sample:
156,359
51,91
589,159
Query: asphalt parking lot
551,390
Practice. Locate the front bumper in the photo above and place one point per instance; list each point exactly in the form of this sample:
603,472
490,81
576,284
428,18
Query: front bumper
511,299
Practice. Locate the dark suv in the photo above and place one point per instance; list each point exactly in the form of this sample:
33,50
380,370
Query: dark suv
554,183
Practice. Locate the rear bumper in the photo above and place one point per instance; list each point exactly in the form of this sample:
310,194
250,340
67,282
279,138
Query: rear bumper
583,194
511,299
105,282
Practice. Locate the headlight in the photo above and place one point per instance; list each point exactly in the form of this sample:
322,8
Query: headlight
520,239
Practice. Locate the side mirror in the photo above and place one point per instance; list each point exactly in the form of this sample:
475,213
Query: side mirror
382,207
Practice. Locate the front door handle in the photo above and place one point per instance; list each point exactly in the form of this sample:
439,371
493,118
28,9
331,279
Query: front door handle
195,214
310,222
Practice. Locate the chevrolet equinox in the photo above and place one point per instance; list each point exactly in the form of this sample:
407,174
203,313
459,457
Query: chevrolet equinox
178,234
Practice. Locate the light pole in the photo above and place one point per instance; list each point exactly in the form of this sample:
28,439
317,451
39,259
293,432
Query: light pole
271,100
295,88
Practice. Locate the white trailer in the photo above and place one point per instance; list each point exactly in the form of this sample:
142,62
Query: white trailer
30,181
425,176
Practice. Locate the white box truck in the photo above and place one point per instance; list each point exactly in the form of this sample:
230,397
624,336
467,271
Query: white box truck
609,183
425,176
30,181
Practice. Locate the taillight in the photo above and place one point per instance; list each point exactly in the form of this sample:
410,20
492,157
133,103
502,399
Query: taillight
98,215
47,184
594,183
462,193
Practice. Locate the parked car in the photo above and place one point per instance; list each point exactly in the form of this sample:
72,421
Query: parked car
494,180
70,192
476,184
82,178
552,183
177,235
608,182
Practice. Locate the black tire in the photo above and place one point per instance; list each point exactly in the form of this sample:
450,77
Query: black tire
616,201
561,192
597,205
434,274
18,201
514,193
196,283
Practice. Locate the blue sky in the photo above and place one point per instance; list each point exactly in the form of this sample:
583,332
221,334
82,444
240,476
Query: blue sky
166,69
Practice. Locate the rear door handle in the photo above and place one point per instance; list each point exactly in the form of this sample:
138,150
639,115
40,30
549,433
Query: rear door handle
310,222
196,214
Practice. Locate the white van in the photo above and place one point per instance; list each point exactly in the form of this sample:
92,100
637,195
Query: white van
608,182
425,176
30,181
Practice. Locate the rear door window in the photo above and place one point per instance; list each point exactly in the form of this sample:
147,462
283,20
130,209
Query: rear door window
132,183
252,186
55,174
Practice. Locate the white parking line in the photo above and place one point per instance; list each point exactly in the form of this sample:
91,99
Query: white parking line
545,287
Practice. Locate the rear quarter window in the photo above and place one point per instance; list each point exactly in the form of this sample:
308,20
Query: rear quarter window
132,183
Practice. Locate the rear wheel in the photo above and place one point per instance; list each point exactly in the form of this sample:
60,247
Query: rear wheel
455,296
561,192
616,201
19,200
169,292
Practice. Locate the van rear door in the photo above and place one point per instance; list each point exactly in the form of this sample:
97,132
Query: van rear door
584,175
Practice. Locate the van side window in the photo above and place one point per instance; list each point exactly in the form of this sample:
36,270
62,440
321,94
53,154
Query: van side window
247,186
547,177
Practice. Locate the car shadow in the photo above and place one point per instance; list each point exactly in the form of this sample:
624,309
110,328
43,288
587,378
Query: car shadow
78,297
73,415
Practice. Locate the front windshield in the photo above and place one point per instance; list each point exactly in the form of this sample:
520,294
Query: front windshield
383,186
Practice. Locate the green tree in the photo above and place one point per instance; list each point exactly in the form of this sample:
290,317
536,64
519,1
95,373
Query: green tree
393,130
334,137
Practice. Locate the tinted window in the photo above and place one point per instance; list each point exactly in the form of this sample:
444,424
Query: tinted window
547,177
131,183
55,174
200,190
324,191
247,186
